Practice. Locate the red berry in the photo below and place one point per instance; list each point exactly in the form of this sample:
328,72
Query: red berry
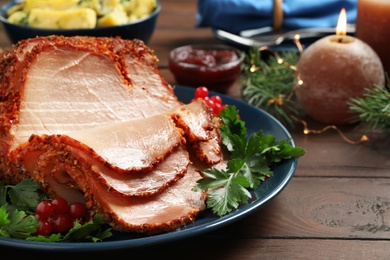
76,210
61,223
209,102
44,227
45,209
216,99
217,108
201,92
61,205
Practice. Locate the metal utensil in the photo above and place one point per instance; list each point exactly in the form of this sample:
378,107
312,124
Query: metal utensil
265,39
259,32
227,36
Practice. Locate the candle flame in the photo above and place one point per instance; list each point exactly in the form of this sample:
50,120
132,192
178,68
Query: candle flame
341,28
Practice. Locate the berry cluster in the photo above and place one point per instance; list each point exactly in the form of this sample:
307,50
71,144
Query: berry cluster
215,102
57,215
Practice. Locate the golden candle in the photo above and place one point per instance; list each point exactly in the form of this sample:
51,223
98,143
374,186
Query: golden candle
373,27
333,70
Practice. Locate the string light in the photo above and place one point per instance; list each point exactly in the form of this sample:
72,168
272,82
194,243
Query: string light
297,42
307,131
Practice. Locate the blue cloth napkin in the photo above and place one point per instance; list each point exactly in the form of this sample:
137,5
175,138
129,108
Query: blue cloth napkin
237,15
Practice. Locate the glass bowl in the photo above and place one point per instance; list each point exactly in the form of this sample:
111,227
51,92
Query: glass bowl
215,66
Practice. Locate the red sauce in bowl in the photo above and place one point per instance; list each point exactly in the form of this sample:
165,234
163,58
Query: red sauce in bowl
215,66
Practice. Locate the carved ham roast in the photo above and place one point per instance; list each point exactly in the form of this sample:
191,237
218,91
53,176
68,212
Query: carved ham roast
92,120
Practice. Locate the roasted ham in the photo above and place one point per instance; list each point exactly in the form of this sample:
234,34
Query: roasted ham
92,120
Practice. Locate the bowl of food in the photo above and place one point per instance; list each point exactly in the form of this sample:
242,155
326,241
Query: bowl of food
215,66
128,19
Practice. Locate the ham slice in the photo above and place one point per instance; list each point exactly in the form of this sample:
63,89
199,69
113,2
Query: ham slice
175,207
150,183
201,129
92,120
130,146
59,72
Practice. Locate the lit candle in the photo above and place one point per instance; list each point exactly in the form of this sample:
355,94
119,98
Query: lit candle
333,70
372,27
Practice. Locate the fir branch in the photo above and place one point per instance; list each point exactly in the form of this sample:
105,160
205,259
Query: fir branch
268,84
373,109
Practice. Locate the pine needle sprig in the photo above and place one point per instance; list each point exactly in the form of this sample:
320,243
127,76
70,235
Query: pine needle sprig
268,83
373,109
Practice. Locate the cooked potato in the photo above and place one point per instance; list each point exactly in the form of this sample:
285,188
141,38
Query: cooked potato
50,4
82,18
74,14
137,9
110,5
116,17
18,17
15,8
93,4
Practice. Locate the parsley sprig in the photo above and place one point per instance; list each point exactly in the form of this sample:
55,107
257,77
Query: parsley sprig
250,163
17,206
92,230
17,220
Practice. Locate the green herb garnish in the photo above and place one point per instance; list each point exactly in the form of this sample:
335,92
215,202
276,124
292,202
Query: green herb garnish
91,230
250,163
18,203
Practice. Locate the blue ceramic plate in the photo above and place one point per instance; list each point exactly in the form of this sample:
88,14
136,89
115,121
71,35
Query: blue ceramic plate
255,120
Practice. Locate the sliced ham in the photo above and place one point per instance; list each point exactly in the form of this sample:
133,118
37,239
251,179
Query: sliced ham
47,158
177,206
201,128
132,145
142,184
76,86
92,120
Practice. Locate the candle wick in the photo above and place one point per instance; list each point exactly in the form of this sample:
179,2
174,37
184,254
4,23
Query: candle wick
340,40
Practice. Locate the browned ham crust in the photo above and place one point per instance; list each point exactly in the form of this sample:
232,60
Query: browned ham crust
92,120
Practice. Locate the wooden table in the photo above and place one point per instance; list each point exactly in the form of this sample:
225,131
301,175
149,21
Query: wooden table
337,205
